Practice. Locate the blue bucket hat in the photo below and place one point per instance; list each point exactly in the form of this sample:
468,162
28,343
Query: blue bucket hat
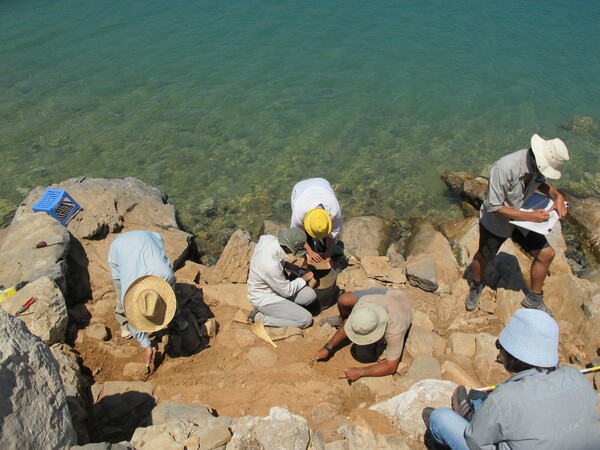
532,337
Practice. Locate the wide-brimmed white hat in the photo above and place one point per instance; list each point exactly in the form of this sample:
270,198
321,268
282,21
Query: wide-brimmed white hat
149,304
531,336
366,323
550,155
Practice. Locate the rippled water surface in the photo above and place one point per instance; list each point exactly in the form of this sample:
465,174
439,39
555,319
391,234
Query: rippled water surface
225,105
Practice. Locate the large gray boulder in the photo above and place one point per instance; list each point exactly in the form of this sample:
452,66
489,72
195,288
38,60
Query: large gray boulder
119,408
281,430
176,426
586,214
20,260
363,236
234,262
471,188
76,388
108,205
47,317
431,264
404,410
33,406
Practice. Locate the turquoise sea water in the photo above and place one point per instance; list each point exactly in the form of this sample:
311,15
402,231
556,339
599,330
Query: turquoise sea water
230,103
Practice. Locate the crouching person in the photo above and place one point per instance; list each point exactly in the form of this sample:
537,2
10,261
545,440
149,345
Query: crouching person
143,280
542,406
277,301
372,319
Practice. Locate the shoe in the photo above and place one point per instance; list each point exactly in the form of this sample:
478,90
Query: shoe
334,321
473,297
461,403
125,333
536,301
426,414
252,315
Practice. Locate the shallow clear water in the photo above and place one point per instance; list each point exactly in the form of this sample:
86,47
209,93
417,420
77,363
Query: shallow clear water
236,101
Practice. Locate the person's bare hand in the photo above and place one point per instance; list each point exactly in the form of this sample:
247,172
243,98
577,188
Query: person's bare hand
314,256
308,276
321,354
539,215
560,207
149,353
352,374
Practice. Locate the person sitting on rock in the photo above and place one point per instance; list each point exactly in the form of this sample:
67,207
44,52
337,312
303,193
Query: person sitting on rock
278,301
315,210
143,280
367,318
513,179
542,406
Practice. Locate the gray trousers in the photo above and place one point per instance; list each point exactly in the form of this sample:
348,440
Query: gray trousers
288,312
119,310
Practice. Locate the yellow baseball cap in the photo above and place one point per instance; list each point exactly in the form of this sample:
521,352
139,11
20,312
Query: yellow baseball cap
317,223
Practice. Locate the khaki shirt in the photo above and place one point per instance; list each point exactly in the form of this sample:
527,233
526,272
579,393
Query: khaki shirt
399,311
507,187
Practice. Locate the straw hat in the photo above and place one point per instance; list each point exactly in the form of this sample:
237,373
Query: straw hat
549,155
366,323
531,336
149,304
317,223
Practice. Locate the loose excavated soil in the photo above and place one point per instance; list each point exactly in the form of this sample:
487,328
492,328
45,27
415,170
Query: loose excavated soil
222,377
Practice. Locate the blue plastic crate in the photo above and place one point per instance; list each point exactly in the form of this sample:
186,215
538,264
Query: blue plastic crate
58,204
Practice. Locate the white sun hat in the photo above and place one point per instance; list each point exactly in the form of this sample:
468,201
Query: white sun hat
550,155
366,324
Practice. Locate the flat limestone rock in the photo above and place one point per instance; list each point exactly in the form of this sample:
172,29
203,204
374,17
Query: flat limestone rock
262,357
47,318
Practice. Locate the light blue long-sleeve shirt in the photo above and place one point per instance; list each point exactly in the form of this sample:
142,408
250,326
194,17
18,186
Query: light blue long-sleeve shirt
133,255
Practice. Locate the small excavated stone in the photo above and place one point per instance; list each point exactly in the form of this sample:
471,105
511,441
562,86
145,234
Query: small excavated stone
422,320
262,357
134,369
215,438
423,342
97,332
462,344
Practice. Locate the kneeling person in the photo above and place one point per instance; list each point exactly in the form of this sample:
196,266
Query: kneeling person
368,317
277,301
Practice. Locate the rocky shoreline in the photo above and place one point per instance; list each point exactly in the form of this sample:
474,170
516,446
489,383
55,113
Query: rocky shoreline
45,355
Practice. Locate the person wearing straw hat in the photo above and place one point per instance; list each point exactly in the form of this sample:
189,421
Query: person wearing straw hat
143,278
315,210
513,179
542,406
368,318
276,300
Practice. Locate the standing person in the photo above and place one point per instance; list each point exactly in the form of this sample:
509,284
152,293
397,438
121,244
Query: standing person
542,406
277,301
316,211
143,280
367,318
513,179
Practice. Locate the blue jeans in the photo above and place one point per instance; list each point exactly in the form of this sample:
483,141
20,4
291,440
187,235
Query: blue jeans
448,428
